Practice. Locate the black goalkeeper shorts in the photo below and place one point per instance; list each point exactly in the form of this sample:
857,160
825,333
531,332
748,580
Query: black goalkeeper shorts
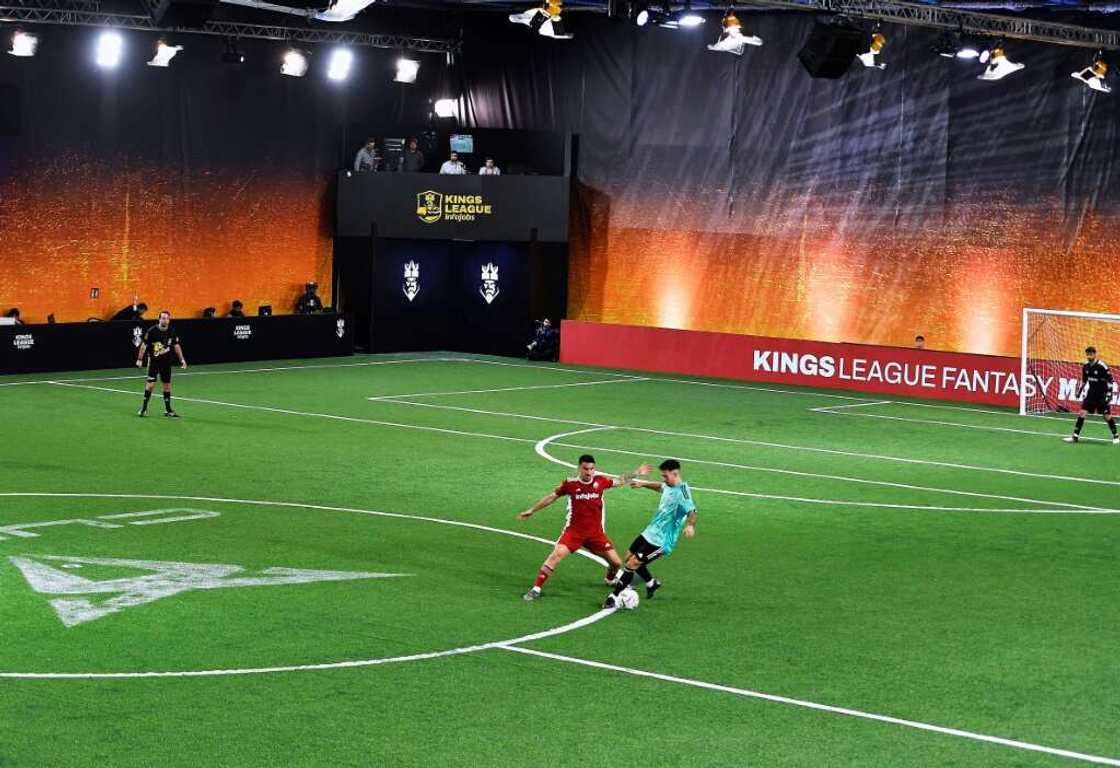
160,367
1101,405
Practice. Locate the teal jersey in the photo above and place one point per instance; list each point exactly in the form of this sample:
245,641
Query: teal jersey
666,526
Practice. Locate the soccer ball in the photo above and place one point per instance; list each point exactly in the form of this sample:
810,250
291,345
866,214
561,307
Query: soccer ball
628,599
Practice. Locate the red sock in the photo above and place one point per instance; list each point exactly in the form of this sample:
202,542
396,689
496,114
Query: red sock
542,576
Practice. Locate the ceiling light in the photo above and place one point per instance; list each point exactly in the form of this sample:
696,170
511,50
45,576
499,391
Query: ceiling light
407,70
1094,75
732,39
110,46
544,20
338,66
999,66
23,44
878,42
446,108
164,54
295,63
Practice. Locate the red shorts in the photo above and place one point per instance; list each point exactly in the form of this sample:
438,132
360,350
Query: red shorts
593,541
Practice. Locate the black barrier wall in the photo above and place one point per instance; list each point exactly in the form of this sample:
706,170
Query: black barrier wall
470,297
431,206
85,346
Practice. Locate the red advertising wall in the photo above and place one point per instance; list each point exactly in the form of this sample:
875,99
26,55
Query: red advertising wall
860,367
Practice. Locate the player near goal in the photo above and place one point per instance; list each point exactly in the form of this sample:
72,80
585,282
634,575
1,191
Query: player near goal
1096,391
161,340
585,522
676,514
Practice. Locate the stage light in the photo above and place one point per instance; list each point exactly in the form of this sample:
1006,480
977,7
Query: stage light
732,39
878,42
639,11
343,10
110,46
164,54
951,47
23,44
338,66
1094,75
232,55
295,63
999,66
445,108
544,20
687,18
407,70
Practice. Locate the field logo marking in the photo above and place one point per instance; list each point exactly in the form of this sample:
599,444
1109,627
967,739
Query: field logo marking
165,580
150,517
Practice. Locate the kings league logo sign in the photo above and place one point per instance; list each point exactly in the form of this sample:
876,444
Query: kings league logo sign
429,206
411,285
489,288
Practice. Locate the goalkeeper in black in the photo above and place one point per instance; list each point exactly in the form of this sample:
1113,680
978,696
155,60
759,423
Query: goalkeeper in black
160,341
1096,389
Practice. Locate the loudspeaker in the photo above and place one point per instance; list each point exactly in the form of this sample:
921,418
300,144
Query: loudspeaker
831,49
183,13
9,110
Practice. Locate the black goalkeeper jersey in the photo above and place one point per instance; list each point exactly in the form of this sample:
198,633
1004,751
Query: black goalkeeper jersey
1098,377
160,341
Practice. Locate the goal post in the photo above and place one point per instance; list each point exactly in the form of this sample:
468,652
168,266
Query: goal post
1053,351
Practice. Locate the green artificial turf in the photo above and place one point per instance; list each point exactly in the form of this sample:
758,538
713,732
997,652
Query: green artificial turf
824,570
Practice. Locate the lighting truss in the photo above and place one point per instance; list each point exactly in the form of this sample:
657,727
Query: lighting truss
966,22
88,13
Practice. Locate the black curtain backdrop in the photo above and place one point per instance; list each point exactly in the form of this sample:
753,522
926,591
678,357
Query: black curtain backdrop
740,194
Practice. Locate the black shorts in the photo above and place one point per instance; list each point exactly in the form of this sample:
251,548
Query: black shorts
1101,405
644,551
160,367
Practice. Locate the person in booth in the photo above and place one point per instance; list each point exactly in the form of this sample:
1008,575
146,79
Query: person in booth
489,169
236,309
453,166
919,342
412,159
309,303
368,158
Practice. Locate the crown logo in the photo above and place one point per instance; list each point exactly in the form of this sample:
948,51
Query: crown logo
489,272
411,270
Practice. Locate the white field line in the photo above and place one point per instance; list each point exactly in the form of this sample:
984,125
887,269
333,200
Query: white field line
962,425
541,450
464,433
511,389
829,408
940,406
802,703
578,624
188,372
760,443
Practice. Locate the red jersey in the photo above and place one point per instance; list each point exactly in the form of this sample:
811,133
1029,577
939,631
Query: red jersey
586,512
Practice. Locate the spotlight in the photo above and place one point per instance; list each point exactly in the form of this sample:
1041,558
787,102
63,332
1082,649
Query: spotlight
732,39
544,20
338,67
999,66
1094,75
23,44
164,54
445,108
878,42
295,63
685,17
949,46
110,45
407,69
640,13
232,55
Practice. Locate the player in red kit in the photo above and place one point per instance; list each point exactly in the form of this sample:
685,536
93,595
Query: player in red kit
585,523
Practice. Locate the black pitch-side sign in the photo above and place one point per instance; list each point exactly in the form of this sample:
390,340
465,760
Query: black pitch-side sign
430,206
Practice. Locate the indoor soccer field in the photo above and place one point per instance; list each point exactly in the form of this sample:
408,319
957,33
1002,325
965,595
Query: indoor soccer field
320,564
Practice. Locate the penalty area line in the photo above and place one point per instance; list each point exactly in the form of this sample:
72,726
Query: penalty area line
804,704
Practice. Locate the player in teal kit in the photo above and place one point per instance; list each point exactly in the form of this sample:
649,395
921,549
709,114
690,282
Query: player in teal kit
676,514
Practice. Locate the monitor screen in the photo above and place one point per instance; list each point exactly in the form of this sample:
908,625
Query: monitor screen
463,143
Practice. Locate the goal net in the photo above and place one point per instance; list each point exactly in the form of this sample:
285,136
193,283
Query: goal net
1053,352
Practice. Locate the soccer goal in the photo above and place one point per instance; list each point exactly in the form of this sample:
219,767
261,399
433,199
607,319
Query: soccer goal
1053,352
